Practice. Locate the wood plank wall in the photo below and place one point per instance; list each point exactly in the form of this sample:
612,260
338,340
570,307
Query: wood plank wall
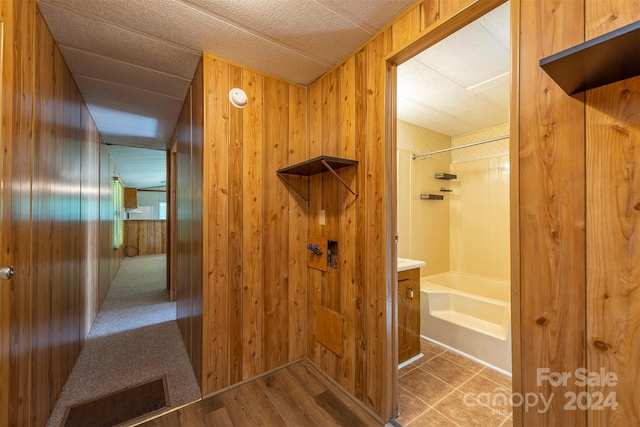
17,116
187,142
578,276
109,259
246,300
552,209
347,118
570,305
254,279
145,237
51,208
346,110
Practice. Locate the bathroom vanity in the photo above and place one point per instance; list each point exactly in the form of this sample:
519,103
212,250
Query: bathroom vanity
408,308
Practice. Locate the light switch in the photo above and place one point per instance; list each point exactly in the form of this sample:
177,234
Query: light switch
322,218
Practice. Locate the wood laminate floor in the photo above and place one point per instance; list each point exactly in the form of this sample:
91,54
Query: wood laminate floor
297,395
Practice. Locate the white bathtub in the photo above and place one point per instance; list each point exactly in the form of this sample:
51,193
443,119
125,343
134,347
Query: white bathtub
471,314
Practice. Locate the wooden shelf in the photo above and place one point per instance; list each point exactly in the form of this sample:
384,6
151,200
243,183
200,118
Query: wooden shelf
606,59
320,164
316,165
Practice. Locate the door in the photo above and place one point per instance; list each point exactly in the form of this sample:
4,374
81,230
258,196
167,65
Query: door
408,314
16,91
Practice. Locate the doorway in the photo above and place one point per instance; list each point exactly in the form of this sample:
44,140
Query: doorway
452,191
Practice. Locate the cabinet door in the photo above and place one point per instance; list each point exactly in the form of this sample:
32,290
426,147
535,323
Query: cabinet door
130,197
408,314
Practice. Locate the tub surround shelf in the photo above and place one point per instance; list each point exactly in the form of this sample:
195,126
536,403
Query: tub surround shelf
431,196
318,165
447,176
606,59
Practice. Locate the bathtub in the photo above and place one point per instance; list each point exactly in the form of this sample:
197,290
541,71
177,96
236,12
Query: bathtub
470,314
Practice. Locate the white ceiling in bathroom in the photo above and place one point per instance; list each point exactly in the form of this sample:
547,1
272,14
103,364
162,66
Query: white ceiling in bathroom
462,83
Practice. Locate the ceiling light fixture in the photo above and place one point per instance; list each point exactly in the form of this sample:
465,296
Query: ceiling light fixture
238,97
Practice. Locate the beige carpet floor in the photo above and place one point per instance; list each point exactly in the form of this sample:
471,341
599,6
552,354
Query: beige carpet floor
134,339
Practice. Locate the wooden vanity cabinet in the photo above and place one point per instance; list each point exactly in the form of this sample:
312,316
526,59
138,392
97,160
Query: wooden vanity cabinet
408,314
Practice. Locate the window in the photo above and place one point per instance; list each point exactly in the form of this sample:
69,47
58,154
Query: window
162,210
117,214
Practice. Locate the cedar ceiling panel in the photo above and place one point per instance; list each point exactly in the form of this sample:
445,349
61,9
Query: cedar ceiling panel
87,64
77,31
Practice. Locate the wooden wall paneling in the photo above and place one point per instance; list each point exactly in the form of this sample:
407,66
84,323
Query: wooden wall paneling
276,225
451,7
612,146
216,231
514,209
331,142
314,277
142,237
41,341
109,258
613,258
183,230
378,317
407,27
50,233
298,227
235,233
58,231
552,209
172,222
145,237
360,314
16,140
429,13
602,17
331,145
6,24
90,184
131,234
197,224
347,259
252,226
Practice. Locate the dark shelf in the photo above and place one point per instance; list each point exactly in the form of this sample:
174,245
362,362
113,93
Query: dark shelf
606,59
319,165
314,166
431,197
446,176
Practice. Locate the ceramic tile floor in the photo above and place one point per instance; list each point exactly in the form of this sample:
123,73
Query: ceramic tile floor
444,388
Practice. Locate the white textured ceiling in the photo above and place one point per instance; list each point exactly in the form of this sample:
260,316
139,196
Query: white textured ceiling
140,167
133,60
462,83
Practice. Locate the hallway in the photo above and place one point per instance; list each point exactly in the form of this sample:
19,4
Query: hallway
134,339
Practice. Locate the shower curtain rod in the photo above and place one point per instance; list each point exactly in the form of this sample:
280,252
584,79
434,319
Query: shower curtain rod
471,144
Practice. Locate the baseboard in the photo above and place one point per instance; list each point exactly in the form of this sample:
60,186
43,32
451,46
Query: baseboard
348,393
468,356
